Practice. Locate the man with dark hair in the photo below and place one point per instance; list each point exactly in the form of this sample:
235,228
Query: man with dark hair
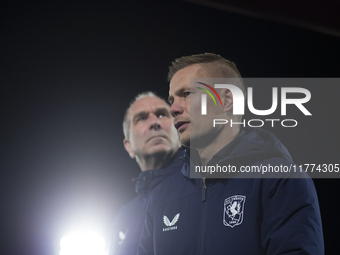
236,214
150,138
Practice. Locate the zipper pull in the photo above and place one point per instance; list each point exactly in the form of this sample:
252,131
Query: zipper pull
204,191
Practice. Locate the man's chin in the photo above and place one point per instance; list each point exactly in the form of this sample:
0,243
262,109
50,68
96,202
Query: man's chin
160,148
185,140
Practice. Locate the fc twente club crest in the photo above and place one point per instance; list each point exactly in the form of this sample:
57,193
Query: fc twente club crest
233,210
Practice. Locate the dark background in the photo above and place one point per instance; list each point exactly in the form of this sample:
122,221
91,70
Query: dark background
69,71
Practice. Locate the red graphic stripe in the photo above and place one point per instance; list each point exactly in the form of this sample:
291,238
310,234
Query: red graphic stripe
212,90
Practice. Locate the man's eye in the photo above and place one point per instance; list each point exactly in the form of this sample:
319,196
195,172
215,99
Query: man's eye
161,115
186,94
140,119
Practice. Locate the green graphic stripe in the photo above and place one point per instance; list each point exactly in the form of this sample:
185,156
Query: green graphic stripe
208,93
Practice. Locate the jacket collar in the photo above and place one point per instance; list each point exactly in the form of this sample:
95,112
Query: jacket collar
147,180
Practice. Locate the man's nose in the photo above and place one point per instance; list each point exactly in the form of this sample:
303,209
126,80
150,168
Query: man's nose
155,122
176,108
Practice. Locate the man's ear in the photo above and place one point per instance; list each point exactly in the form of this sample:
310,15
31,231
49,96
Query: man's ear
127,145
227,100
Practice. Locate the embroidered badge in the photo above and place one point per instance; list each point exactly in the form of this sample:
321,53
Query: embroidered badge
233,210
170,225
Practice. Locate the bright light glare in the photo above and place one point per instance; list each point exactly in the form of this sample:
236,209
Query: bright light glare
87,243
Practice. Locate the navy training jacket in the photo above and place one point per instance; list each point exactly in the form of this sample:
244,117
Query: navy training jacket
129,223
235,216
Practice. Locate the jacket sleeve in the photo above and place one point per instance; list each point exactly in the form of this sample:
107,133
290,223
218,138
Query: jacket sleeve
291,218
114,236
146,245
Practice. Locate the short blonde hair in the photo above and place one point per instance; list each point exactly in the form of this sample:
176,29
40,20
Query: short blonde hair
215,63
